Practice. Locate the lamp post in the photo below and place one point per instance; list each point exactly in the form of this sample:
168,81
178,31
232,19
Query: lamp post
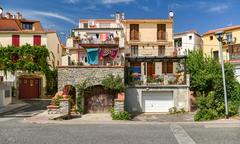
219,35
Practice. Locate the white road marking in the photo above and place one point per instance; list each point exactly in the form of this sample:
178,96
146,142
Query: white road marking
181,135
5,119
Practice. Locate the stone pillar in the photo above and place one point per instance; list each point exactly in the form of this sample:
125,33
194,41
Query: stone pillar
118,105
65,107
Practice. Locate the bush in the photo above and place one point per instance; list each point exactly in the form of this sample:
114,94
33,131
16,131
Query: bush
174,110
120,115
206,81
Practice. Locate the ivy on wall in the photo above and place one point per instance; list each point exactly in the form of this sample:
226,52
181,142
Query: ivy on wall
29,59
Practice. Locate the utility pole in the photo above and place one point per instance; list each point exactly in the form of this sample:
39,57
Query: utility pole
219,35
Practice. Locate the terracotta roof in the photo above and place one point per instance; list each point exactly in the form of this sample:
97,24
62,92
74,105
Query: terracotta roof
222,29
186,32
14,25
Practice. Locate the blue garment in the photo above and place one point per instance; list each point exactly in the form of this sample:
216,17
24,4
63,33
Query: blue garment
92,56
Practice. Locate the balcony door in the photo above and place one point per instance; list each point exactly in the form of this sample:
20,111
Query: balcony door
161,32
150,69
134,31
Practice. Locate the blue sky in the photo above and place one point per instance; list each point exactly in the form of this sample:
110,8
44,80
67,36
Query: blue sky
63,15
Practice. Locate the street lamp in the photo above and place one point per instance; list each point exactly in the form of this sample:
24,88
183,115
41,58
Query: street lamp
219,35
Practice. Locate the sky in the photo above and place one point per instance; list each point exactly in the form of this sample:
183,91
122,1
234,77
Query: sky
64,15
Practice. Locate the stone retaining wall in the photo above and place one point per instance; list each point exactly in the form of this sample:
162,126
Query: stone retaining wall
73,75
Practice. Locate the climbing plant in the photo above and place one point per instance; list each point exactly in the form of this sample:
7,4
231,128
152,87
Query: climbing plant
29,59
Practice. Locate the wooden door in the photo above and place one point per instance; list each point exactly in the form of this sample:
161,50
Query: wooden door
98,100
150,69
161,32
29,88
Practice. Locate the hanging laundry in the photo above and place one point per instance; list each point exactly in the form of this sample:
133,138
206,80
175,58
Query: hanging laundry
114,53
92,56
103,36
100,53
106,52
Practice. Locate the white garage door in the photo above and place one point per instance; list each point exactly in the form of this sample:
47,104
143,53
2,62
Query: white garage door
157,101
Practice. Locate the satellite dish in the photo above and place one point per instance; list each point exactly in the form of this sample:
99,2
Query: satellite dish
171,14
1,10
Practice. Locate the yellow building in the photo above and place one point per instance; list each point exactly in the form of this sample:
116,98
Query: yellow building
231,45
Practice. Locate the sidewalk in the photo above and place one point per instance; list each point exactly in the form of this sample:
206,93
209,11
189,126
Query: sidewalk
44,118
12,107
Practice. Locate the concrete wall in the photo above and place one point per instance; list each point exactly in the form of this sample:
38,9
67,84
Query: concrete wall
75,75
54,46
3,91
133,100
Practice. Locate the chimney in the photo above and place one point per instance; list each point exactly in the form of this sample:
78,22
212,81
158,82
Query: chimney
123,15
19,15
8,15
1,12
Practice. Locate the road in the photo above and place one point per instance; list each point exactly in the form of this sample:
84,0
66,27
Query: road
16,131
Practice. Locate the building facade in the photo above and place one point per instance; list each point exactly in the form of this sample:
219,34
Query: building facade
231,46
187,41
17,31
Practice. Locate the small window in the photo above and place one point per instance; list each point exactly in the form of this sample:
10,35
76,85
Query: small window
134,50
58,48
211,37
57,63
161,50
1,78
190,37
7,93
215,55
85,25
27,26
229,37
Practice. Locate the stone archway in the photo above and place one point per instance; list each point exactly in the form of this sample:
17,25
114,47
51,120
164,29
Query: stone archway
97,100
71,91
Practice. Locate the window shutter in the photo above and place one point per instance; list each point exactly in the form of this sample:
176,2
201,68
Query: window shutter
16,40
169,67
36,40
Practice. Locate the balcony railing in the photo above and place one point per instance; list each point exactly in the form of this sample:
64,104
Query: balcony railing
136,79
97,41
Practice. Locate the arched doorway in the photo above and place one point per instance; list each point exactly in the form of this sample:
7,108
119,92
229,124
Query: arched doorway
97,100
71,91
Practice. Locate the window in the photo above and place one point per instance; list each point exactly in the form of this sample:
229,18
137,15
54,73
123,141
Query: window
85,25
7,93
58,48
37,40
229,37
134,50
215,54
161,50
27,26
161,32
190,37
211,37
1,78
167,67
57,63
134,31
16,40
178,42
69,60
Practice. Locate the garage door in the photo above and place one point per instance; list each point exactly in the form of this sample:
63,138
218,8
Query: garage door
157,101
29,88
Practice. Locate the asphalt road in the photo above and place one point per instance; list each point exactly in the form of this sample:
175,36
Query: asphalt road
15,131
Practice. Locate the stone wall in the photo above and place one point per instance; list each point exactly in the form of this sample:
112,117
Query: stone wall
73,75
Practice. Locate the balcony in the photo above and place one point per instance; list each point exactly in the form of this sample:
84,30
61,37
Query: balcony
156,71
96,42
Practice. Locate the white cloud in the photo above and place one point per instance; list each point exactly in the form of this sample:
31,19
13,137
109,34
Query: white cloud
53,15
218,8
71,1
116,1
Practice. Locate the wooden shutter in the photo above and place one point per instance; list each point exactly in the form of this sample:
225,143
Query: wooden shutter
161,32
161,50
136,34
150,68
16,40
132,31
169,67
36,40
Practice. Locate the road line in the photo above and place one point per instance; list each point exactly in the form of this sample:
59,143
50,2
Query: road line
181,135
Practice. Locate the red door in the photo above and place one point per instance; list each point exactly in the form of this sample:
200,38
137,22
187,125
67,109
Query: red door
16,40
36,40
29,88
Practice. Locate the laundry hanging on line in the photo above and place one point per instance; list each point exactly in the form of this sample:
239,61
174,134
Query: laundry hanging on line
92,56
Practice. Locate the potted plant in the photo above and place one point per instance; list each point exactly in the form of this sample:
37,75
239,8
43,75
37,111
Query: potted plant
171,80
160,79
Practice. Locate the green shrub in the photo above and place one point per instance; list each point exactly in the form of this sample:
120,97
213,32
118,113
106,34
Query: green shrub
174,110
120,115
